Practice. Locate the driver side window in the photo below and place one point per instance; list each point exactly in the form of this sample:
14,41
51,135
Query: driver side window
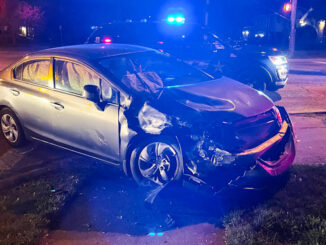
72,78
109,93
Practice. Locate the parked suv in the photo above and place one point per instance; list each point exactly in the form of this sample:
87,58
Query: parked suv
258,67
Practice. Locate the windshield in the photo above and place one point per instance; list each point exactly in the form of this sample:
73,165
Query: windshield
145,71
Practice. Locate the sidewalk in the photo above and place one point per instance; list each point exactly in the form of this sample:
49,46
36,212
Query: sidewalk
310,54
302,98
311,141
191,235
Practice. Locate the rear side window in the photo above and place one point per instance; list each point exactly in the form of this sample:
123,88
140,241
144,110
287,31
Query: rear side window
35,71
72,78
18,72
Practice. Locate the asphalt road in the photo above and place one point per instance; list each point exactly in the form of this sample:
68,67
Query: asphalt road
308,71
111,208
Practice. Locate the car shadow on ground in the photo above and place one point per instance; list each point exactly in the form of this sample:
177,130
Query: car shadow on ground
110,202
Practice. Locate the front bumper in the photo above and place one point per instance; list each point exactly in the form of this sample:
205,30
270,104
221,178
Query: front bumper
252,167
280,148
272,158
280,83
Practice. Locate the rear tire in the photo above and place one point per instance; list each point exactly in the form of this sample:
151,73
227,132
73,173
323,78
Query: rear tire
11,128
156,163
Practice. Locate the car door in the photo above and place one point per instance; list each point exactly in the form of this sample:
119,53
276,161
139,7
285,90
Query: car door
79,123
29,95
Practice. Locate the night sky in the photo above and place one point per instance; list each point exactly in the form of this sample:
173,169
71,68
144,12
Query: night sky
227,17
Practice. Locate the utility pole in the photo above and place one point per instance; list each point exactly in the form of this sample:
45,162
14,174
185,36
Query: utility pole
293,28
206,12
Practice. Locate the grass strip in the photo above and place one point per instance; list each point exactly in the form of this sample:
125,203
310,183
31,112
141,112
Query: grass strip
294,215
26,210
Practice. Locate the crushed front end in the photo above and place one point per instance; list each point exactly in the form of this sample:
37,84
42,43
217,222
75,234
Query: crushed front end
245,152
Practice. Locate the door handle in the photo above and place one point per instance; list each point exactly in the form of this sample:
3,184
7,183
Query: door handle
15,91
57,105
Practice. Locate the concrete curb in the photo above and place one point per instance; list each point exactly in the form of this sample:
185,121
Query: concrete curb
307,113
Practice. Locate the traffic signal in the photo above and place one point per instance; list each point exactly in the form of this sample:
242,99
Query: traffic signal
287,7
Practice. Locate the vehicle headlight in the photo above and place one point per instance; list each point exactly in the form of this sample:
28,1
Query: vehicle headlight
151,120
278,60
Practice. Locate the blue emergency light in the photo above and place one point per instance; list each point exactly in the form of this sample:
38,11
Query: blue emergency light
176,19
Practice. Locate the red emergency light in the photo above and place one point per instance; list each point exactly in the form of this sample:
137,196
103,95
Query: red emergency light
107,40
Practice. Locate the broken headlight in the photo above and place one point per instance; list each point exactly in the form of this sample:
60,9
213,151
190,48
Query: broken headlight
209,150
221,157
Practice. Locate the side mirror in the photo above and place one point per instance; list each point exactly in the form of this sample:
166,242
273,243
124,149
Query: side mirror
92,93
107,94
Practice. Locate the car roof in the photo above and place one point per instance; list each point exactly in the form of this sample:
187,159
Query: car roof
92,51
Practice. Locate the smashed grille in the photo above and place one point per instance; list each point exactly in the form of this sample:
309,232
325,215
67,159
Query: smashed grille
249,132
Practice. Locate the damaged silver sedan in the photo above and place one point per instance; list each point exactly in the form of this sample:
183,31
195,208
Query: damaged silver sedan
158,118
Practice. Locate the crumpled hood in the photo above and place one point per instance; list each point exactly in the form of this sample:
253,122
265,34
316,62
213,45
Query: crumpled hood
222,94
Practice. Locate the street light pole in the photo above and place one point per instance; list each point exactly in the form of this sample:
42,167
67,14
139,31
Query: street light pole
206,13
293,28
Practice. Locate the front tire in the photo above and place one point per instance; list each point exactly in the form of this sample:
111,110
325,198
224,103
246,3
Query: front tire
156,162
11,128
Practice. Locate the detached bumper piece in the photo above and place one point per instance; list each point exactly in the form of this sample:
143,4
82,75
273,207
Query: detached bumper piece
276,154
254,168
273,157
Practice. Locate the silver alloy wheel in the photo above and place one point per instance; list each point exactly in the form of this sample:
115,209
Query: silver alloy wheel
158,162
9,128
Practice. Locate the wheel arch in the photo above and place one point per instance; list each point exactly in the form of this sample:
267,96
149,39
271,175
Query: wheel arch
18,123
254,69
126,154
3,106
26,132
268,75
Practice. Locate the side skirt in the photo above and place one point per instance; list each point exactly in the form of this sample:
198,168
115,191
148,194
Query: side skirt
78,152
